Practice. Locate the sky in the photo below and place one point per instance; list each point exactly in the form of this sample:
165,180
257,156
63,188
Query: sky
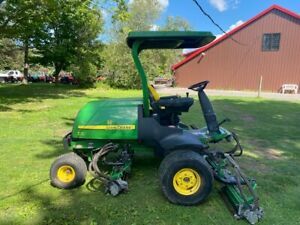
227,13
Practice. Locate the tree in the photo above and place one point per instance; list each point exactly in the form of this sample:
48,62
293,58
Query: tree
166,58
86,65
70,35
21,20
62,32
10,55
176,23
119,67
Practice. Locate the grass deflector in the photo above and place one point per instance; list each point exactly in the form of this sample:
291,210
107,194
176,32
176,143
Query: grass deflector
105,132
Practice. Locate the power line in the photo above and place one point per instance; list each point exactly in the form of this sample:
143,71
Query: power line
217,25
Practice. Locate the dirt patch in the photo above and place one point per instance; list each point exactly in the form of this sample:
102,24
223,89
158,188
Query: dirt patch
258,143
269,153
60,133
254,165
262,149
272,153
248,118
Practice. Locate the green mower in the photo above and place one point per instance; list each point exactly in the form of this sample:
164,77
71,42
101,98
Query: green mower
105,133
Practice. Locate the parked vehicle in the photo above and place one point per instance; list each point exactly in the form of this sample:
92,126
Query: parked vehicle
11,76
40,77
163,82
49,79
67,78
3,77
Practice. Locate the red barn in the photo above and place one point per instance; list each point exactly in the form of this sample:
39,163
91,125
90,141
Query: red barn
267,45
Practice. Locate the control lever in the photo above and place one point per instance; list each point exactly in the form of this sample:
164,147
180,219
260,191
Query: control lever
225,120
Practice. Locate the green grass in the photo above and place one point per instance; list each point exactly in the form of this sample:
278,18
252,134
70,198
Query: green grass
34,118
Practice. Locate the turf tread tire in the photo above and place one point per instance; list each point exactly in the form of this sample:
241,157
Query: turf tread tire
177,160
77,163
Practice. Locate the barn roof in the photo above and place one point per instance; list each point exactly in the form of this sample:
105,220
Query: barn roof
197,52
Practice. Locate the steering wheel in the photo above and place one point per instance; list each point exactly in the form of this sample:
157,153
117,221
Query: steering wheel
199,86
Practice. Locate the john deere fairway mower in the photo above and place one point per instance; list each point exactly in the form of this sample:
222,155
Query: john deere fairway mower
105,133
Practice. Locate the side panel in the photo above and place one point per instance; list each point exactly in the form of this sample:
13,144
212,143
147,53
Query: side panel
107,119
166,139
185,140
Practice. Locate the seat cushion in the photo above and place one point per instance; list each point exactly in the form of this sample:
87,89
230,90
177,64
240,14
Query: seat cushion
176,104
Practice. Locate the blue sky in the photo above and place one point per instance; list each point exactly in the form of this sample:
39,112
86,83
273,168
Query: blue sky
225,12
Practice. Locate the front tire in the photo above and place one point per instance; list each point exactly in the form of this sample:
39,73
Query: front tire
68,171
185,177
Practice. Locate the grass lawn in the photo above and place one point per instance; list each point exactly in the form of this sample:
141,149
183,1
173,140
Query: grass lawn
34,119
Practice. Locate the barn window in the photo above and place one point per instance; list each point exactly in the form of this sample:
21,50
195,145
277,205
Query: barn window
271,42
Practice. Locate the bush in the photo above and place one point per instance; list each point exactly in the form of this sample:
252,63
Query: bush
85,73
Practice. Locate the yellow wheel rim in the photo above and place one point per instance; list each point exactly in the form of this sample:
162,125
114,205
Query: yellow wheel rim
186,181
66,174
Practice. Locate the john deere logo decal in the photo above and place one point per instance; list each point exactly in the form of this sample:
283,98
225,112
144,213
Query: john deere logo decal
108,127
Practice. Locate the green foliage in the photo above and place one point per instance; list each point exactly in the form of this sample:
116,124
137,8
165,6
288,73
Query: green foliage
10,55
84,72
70,38
22,20
120,12
119,68
176,23
87,64
62,33
162,60
143,14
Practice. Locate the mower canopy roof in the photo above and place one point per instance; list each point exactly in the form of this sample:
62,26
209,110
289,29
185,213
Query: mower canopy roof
169,39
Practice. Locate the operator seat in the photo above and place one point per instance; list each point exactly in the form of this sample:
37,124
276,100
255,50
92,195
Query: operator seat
170,107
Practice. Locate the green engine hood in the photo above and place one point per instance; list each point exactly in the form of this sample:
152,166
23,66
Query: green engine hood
107,119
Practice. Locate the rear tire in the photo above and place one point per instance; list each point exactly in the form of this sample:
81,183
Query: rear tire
68,171
185,177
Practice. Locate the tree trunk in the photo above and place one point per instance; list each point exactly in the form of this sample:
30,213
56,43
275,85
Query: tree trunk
26,65
58,68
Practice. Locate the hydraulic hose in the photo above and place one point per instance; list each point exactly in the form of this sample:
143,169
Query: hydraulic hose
236,147
93,166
